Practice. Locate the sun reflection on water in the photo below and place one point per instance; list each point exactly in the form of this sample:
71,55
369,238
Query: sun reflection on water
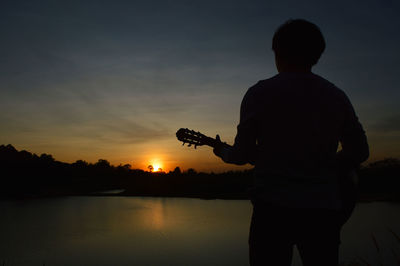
156,215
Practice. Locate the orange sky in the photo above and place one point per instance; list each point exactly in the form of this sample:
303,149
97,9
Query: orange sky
116,79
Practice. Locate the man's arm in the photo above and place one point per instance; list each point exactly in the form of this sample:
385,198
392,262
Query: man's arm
355,149
244,149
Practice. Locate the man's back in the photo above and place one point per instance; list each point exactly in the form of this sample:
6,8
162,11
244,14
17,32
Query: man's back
298,120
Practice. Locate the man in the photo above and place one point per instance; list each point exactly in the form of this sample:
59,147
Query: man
290,127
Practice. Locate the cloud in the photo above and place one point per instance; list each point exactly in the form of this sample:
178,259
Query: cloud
130,132
389,124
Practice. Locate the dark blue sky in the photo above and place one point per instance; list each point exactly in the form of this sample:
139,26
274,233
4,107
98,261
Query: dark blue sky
115,79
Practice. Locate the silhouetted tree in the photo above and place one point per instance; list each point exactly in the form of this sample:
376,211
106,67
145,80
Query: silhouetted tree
46,158
387,162
25,174
127,166
191,171
177,171
80,164
103,163
25,155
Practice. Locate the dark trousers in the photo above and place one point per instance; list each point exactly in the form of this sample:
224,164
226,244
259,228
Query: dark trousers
275,230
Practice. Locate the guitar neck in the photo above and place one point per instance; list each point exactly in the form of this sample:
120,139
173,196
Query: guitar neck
194,138
213,142
209,141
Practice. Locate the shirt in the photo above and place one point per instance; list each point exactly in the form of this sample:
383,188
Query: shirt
290,128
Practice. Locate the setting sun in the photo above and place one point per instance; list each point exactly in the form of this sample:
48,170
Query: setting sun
156,166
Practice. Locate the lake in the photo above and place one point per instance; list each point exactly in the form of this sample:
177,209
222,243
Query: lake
163,231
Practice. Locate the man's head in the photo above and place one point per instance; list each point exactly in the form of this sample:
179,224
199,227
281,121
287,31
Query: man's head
298,44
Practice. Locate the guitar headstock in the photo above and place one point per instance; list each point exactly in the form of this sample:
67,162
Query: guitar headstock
191,137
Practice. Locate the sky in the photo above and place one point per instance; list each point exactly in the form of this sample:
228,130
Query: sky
116,79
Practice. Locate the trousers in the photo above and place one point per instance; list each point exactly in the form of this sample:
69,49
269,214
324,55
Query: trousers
275,230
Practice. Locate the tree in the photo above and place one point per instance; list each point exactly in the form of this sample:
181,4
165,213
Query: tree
150,167
81,163
46,157
127,166
101,163
177,171
191,171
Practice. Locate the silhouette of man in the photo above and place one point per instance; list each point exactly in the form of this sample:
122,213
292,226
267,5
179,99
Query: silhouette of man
290,129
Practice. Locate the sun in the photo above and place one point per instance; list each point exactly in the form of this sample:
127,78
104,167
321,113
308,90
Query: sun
156,167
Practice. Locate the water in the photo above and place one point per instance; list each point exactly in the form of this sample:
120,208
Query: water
162,231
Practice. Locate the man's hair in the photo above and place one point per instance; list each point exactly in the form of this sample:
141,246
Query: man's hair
298,42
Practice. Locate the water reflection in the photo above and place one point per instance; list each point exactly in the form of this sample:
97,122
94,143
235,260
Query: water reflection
153,216
159,231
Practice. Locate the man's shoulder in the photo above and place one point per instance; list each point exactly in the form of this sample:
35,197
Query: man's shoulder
263,85
324,82
330,88
267,82
288,79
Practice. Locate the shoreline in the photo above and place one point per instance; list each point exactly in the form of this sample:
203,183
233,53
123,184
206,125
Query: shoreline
232,196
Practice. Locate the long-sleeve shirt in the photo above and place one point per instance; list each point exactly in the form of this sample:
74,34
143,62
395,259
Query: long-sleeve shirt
290,128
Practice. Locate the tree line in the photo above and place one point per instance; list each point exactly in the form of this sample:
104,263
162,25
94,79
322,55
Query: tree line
25,174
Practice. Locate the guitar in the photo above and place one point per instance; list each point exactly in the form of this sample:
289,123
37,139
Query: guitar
348,181
194,138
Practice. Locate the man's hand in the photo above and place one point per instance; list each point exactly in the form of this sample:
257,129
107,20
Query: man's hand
222,149
218,147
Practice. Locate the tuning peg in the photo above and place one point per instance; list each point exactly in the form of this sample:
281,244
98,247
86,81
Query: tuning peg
190,144
195,146
183,144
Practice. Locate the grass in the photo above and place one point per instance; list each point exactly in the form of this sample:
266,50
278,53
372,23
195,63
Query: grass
358,261
362,262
